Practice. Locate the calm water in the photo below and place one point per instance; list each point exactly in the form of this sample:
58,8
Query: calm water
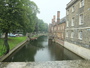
42,50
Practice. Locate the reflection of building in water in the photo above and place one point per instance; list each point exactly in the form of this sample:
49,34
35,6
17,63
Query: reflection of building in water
60,53
56,51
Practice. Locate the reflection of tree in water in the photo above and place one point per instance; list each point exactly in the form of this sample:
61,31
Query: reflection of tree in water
56,50
39,42
28,52
25,54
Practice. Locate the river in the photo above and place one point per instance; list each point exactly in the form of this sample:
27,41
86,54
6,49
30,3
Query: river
42,49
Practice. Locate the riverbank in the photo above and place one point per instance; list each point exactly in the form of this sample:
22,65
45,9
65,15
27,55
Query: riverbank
77,49
13,41
49,64
20,40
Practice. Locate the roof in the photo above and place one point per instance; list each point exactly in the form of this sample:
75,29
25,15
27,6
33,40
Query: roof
71,3
63,20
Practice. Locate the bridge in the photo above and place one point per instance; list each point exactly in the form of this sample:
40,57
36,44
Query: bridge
48,64
34,36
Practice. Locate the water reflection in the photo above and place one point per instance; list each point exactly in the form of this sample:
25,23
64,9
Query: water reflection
42,50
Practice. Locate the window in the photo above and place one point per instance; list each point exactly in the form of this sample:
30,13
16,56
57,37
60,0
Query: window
72,22
81,19
67,12
81,3
62,35
73,9
72,34
59,27
67,24
52,28
80,35
63,26
67,34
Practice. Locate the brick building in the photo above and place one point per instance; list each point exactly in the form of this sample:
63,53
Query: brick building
77,32
57,29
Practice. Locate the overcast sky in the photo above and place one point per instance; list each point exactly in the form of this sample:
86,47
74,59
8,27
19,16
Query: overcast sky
48,8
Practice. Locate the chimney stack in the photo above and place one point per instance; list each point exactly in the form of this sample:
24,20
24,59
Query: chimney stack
52,20
54,17
58,16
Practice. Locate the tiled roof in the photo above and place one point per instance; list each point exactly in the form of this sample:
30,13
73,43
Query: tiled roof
63,20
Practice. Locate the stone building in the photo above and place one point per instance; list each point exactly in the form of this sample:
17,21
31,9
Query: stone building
57,29
77,32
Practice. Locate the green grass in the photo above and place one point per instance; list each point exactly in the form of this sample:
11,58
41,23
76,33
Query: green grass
13,41
1,47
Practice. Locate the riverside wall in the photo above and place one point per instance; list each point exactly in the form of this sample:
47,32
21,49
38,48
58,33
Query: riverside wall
79,50
2,58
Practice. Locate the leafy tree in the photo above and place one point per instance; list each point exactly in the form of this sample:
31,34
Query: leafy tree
41,26
16,14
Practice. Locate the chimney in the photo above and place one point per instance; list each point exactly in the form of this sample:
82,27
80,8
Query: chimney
54,17
58,16
52,20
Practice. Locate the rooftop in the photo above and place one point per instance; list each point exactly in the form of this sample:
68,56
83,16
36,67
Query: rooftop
71,3
63,20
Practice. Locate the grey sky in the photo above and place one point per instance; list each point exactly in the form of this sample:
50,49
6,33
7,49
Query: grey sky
48,8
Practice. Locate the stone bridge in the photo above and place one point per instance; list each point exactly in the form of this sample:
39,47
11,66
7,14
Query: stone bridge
48,64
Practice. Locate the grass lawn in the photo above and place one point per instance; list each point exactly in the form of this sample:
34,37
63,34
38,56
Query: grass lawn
13,41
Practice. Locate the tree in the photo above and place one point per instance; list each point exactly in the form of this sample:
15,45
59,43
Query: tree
16,14
41,26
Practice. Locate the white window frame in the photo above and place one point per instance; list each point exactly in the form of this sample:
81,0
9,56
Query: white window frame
52,28
72,22
81,19
67,12
63,27
62,35
81,3
80,35
72,8
72,34
66,33
67,24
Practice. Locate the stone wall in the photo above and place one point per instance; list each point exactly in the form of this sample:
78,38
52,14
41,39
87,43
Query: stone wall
84,28
81,51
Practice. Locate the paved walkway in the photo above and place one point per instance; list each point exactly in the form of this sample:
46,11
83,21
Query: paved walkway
49,64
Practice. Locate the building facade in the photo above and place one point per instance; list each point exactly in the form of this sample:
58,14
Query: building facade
57,29
77,32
